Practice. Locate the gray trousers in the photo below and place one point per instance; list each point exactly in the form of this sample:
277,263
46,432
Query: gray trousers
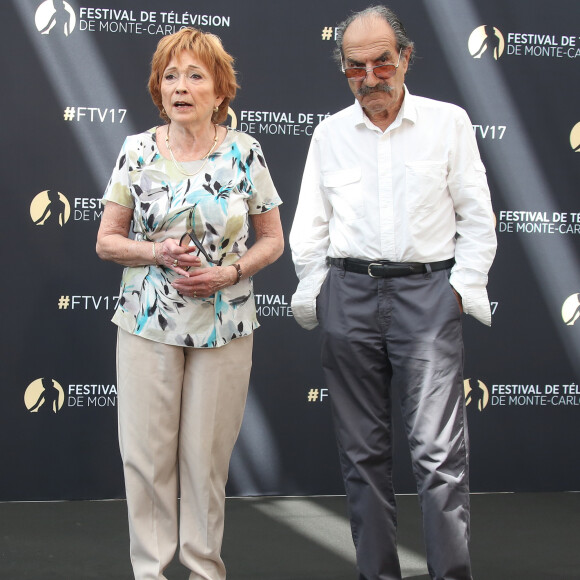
380,334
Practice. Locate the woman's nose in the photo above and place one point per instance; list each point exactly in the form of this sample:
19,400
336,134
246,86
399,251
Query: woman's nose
180,83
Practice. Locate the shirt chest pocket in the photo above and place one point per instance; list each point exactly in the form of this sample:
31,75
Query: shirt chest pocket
426,184
343,189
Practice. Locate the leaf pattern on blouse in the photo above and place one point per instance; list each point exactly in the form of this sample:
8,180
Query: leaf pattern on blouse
216,204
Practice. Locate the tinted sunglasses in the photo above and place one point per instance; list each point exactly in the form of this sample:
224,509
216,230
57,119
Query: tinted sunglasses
381,71
190,235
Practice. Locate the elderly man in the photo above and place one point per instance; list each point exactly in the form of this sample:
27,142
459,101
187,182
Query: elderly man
392,240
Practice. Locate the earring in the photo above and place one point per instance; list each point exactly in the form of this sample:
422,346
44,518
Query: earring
216,109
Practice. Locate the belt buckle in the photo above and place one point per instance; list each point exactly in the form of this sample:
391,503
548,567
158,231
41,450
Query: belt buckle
369,269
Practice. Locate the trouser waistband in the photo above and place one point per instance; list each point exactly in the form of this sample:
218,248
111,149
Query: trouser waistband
386,269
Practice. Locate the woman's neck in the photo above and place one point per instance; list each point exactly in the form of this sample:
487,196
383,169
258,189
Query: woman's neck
189,143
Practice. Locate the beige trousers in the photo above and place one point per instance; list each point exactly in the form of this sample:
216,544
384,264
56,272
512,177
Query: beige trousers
180,412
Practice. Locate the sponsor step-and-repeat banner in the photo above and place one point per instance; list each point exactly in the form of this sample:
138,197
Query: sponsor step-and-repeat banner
76,76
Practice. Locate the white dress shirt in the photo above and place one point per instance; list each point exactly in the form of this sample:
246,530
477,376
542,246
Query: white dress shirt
416,192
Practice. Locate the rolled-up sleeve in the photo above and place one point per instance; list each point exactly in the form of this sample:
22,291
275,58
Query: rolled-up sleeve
476,240
309,239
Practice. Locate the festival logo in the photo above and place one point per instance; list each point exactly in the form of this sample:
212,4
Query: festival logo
486,42
58,16
575,138
44,396
571,310
232,119
55,15
478,395
50,208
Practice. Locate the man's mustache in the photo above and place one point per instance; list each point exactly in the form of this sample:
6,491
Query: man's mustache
382,88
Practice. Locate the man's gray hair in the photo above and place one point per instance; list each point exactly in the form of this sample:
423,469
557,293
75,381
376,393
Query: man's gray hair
379,11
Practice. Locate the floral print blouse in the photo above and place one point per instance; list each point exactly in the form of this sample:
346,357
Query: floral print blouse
233,183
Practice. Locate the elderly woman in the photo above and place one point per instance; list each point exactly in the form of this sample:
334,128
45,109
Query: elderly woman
188,190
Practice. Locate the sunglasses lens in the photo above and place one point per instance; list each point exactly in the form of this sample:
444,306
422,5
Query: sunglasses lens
385,72
355,73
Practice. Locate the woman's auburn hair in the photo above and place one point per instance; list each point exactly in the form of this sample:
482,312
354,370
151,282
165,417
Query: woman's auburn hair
209,50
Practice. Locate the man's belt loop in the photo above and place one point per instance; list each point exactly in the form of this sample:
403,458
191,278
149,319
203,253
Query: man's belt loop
428,272
339,263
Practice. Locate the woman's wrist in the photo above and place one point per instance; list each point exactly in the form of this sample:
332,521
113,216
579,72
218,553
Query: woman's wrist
156,255
238,272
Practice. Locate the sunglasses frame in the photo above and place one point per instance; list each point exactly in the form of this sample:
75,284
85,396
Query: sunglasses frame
199,245
371,69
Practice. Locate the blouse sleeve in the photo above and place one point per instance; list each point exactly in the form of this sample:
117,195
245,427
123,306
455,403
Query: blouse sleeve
118,189
262,194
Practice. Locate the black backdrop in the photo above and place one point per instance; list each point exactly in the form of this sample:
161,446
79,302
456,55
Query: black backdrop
75,85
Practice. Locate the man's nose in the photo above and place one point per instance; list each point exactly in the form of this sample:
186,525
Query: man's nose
371,79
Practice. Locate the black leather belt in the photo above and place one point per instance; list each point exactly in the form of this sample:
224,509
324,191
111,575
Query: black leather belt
386,269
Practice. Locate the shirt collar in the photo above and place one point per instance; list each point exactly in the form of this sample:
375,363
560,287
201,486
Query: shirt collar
407,111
